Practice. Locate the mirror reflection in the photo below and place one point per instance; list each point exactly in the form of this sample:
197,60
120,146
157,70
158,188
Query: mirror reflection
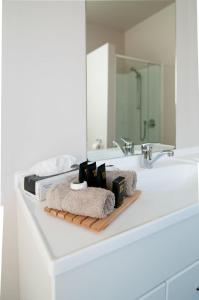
130,77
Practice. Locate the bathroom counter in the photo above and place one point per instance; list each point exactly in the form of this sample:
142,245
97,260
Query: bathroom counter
169,196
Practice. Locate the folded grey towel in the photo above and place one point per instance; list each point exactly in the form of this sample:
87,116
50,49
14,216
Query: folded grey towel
130,180
92,202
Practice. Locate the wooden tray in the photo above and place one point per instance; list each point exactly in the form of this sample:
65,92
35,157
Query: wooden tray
93,223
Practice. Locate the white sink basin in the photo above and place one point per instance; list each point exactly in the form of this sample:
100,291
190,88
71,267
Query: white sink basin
168,178
170,187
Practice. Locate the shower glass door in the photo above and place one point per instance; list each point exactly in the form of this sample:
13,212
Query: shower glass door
138,100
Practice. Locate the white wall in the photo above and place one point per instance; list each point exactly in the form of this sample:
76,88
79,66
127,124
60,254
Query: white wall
98,35
44,100
187,106
154,39
97,96
100,95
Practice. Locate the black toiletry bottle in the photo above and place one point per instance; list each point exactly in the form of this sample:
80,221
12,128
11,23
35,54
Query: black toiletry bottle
92,175
118,190
83,172
101,176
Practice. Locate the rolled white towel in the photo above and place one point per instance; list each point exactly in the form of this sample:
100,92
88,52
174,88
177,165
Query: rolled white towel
54,165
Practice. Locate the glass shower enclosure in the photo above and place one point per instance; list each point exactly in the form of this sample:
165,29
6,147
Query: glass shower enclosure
139,100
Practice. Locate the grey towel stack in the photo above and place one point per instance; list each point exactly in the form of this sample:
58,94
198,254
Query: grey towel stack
92,202
130,180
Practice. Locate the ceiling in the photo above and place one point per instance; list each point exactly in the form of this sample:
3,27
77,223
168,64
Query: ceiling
122,15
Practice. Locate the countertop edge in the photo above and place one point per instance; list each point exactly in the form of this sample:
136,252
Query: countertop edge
90,253
40,239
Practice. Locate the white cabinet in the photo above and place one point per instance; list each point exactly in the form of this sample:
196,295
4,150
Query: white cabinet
184,286
131,272
157,294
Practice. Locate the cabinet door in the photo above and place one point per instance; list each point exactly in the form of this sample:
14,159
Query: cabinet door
185,285
157,294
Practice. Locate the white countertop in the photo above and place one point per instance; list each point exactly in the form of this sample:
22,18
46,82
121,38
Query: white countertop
68,245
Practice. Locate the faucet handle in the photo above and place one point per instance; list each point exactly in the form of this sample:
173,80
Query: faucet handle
127,141
146,147
147,150
128,146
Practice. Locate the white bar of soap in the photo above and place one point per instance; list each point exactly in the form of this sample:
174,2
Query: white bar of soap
76,186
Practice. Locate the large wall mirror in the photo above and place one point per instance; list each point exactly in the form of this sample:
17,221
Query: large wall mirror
130,76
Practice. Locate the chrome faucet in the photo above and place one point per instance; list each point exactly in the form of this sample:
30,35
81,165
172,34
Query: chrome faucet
127,148
146,159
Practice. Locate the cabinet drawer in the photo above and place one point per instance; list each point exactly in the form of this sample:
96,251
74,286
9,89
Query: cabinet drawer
185,284
156,294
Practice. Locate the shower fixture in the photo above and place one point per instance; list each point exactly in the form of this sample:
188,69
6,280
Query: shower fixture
136,72
139,103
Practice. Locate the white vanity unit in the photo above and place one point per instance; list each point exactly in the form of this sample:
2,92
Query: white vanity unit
151,252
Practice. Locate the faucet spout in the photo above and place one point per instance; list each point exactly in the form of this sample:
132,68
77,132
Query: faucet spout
169,153
147,161
118,146
128,148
